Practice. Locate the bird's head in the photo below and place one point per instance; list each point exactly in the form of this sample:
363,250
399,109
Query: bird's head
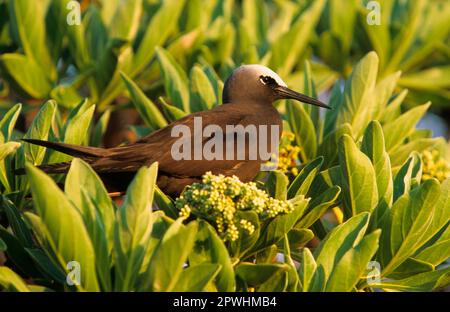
260,84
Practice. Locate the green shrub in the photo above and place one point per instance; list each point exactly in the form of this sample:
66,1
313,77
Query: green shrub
363,181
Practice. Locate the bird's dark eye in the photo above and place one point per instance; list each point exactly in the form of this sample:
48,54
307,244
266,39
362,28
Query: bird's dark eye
267,80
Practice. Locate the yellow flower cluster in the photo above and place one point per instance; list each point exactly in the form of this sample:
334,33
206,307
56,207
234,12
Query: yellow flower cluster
218,199
288,154
434,166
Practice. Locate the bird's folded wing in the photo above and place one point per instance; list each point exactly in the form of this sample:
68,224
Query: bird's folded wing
158,146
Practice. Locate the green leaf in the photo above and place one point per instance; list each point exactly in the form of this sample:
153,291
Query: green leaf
78,46
96,31
400,154
202,96
307,268
6,150
165,204
358,182
303,128
394,134
342,22
303,181
292,275
246,242
442,212
435,254
411,266
75,130
405,38
39,129
66,95
16,222
49,268
10,281
257,274
299,237
17,254
133,228
114,57
171,112
318,206
324,180
209,248
3,246
285,57
409,226
392,110
433,78
281,225
423,282
404,177
146,108
8,122
336,244
383,91
56,20
175,80
62,221
373,147
25,74
126,19
255,20
160,27
330,144
380,35
357,106
353,264
276,185
170,254
276,283
41,233
335,102
28,24
215,81
197,277
100,129
86,191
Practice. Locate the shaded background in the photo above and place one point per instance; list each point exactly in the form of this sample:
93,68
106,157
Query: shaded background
43,57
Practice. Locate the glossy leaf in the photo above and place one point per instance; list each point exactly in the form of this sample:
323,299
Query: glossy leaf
303,181
197,277
341,239
171,253
303,128
10,281
373,146
26,75
209,248
133,228
175,80
359,185
146,108
62,220
358,95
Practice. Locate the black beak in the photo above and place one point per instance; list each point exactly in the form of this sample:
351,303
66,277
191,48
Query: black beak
286,93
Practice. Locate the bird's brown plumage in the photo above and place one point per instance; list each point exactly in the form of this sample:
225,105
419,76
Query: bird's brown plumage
115,164
250,93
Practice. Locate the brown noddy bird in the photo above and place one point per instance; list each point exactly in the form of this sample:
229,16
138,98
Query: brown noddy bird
247,96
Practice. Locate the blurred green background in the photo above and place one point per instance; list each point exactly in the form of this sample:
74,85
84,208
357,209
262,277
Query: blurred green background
46,53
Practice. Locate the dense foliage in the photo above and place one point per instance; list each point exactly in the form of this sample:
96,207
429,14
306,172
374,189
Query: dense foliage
361,201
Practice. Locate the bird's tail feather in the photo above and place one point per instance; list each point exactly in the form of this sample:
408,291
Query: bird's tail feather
84,152
71,149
